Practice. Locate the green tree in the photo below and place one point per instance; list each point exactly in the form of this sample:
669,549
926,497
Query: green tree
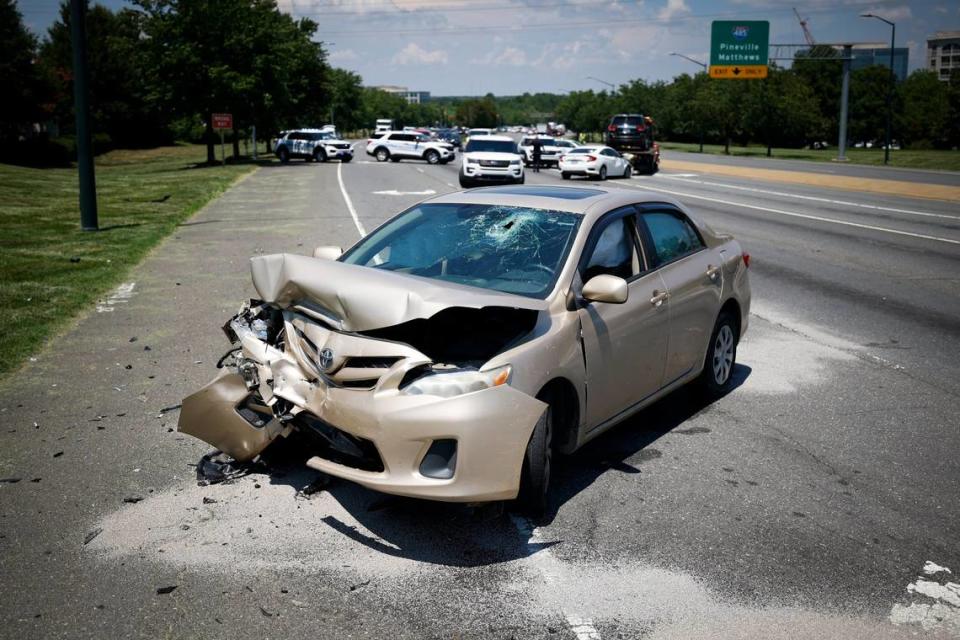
346,100
121,111
925,116
19,107
868,104
243,56
477,113
821,69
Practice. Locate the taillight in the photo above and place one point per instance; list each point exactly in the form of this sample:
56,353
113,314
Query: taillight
611,128
591,158
640,127
746,260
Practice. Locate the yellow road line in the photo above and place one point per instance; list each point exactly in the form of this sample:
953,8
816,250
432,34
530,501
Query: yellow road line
847,183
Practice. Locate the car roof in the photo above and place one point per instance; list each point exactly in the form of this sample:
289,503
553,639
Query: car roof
588,201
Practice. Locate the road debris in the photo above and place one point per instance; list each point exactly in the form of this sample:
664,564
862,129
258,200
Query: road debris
216,467
133,499
90,536
162,591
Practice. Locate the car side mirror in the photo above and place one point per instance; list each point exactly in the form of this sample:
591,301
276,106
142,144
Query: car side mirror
327,252
606,288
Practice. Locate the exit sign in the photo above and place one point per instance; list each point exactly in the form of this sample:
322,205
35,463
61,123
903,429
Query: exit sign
739,49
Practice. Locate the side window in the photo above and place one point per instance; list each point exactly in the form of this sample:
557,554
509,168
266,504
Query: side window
614,252
672,236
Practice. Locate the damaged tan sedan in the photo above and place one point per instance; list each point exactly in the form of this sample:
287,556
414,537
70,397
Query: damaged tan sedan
450,352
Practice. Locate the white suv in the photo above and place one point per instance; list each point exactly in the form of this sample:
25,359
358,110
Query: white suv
397,145
312,144
491,159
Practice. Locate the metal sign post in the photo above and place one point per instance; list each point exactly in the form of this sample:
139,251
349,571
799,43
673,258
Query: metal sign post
222,121
739,49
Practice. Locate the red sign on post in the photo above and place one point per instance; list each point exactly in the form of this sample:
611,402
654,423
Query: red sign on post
222,120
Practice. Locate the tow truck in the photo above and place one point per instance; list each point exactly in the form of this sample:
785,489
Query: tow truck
632,135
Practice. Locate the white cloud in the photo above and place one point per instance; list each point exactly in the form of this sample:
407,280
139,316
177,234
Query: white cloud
415,54
672,9
891,13
512,56
343,55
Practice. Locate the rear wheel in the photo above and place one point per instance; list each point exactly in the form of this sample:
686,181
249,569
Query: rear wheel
603,173
564,175
628,171
721,356
537,463
382,154
432,157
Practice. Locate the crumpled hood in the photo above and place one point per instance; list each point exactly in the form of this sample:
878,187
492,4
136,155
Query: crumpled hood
364,298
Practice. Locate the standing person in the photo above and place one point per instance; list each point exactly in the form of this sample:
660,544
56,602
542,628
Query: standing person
537,153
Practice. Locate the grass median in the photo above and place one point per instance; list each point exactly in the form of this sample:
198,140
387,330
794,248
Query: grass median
50,270
904,158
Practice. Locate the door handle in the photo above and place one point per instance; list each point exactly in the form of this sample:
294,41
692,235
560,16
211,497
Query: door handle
659,297
713,272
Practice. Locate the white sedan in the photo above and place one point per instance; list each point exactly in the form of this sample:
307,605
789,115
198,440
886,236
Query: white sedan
594,161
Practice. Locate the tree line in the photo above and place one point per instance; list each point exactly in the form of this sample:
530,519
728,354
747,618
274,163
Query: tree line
159,69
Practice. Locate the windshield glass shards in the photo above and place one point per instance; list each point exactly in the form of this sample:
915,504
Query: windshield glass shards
511,249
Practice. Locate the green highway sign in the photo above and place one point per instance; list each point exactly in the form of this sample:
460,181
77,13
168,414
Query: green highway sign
738,49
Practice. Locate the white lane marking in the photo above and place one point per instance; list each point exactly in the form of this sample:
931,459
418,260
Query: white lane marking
548,566
450,184
931,568
346,198
678,175
941,614
794,214
582,627
120,295
420,170
683,177
394,192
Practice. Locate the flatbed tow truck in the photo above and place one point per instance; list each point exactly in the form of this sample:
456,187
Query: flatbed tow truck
632,135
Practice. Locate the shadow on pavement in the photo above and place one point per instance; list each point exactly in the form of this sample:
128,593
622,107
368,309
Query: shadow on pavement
469,536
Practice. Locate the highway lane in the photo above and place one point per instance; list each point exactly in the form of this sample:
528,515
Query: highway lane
800,505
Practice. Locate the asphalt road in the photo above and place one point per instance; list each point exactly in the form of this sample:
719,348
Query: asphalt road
801,505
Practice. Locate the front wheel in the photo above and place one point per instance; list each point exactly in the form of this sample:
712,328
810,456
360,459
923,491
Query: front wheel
627,172
346,159
382,155
564,175
283,154
432,157
465,183
721,356
319,156
521,179
537,462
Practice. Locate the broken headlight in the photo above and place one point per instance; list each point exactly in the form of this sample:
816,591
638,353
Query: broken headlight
447,384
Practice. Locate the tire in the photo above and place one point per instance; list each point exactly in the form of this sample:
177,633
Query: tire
603,173
627,172
394,159
319,155
537,467
655,168
345,159
521,180
721,356
465,183
283,154
382,154
432,157
564,175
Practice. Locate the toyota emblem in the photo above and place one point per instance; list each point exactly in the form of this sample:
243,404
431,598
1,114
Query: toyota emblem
325,359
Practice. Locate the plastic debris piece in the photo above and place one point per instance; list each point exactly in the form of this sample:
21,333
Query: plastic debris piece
162,591
90,536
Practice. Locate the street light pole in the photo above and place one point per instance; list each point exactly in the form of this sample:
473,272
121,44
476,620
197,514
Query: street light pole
704,65
609,84
893,80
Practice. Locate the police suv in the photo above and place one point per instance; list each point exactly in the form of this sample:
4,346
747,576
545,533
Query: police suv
312,144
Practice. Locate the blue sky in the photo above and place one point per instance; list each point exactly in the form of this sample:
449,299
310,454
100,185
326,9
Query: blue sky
471,47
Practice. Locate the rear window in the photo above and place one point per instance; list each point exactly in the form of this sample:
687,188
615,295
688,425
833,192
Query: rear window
583,150
631,120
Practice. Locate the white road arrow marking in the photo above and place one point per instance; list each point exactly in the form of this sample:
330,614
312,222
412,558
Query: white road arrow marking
394,192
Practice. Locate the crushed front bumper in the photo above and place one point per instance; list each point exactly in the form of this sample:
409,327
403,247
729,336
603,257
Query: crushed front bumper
465,448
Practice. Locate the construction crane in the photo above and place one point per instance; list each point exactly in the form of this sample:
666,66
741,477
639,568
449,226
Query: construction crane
803,25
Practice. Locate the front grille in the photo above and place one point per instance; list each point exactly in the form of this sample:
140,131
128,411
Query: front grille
371,362
494,163
343,146
339,446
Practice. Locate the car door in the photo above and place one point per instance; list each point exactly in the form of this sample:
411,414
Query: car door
619,163
693,277
624,344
